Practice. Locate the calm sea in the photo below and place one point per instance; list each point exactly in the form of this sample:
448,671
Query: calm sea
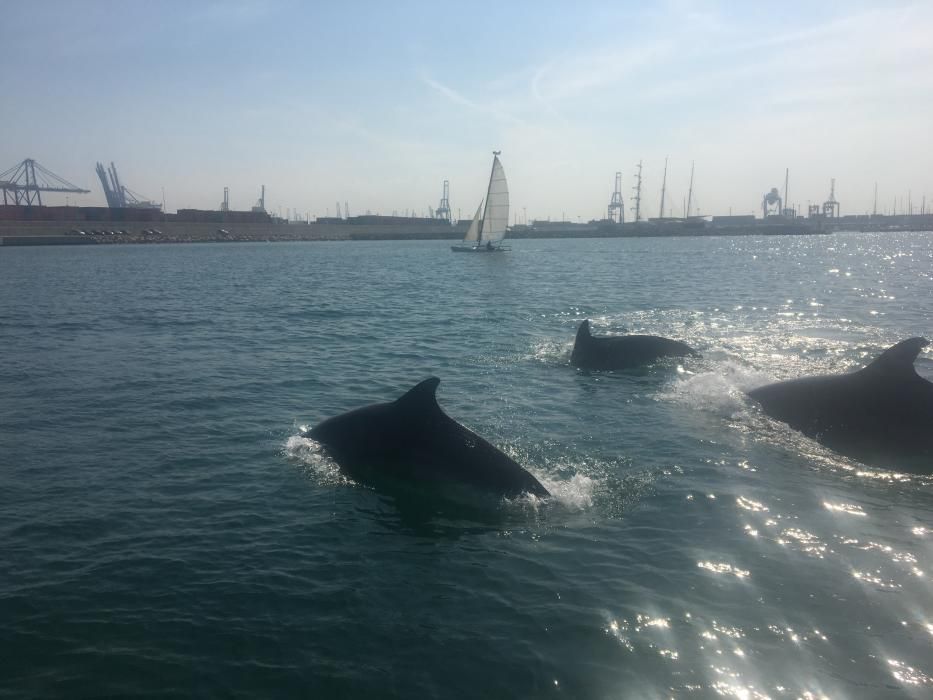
165,530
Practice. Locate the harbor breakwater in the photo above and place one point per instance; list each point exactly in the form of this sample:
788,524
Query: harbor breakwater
14,233
58,232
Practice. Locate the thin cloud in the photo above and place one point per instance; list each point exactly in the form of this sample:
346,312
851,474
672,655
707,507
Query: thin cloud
575,74
462,100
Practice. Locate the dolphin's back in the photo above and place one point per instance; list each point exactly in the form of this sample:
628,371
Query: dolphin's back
460,455
412,438
813,405
623,351
880,414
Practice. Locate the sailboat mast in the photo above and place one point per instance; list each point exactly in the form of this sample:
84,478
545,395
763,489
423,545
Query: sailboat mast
786,201
637,188
663,189
495,157
690,192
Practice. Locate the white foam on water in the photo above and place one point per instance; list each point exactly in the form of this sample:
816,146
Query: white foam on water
574,483
720,391
579,484
575,493
551,351
311,455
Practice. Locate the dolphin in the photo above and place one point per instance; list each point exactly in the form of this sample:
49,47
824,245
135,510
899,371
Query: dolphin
413,438
622,351
880,415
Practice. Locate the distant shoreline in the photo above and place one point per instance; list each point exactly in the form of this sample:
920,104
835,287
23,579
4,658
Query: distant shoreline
140,233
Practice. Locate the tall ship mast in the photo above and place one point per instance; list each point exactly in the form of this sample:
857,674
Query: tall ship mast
637,188
689,192
663,189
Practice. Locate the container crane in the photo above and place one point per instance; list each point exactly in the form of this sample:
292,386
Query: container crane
443,209
616,211
831,205
118,195
22,186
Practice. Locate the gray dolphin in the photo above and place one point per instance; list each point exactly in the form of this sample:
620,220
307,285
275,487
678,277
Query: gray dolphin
622,351
412,438
881,415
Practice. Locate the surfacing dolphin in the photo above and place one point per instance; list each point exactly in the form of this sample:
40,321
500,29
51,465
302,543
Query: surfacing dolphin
622,351
881,415
412,438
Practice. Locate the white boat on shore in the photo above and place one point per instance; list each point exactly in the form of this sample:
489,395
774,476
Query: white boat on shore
487,230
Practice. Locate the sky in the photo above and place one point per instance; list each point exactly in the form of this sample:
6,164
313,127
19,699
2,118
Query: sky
376,103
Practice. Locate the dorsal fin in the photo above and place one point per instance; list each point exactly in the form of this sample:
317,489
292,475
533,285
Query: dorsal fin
421,395
584,330
899,359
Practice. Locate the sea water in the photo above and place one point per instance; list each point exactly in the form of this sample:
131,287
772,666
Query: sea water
166,531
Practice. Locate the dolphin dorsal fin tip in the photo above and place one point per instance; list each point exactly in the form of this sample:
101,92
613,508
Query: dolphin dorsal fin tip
899,358
422,393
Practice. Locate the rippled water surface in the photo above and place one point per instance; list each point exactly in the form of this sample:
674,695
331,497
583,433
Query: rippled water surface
165,530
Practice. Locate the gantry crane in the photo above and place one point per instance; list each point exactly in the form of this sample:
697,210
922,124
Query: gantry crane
24,183
616,212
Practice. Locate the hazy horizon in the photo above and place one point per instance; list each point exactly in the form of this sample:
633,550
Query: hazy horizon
376,105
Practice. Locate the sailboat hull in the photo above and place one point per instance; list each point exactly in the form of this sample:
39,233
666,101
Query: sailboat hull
477,249
486,236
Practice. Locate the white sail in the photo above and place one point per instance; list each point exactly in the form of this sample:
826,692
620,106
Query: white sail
472,234
496,216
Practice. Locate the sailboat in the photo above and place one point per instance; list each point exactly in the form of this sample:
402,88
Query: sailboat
488,226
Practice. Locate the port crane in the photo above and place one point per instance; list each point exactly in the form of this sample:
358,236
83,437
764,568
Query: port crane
831,205
22,186
260,206
616,212
443,209
771,203
118,195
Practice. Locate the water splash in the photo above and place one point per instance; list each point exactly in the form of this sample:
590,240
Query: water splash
313,458
551,352
720,391
575,493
